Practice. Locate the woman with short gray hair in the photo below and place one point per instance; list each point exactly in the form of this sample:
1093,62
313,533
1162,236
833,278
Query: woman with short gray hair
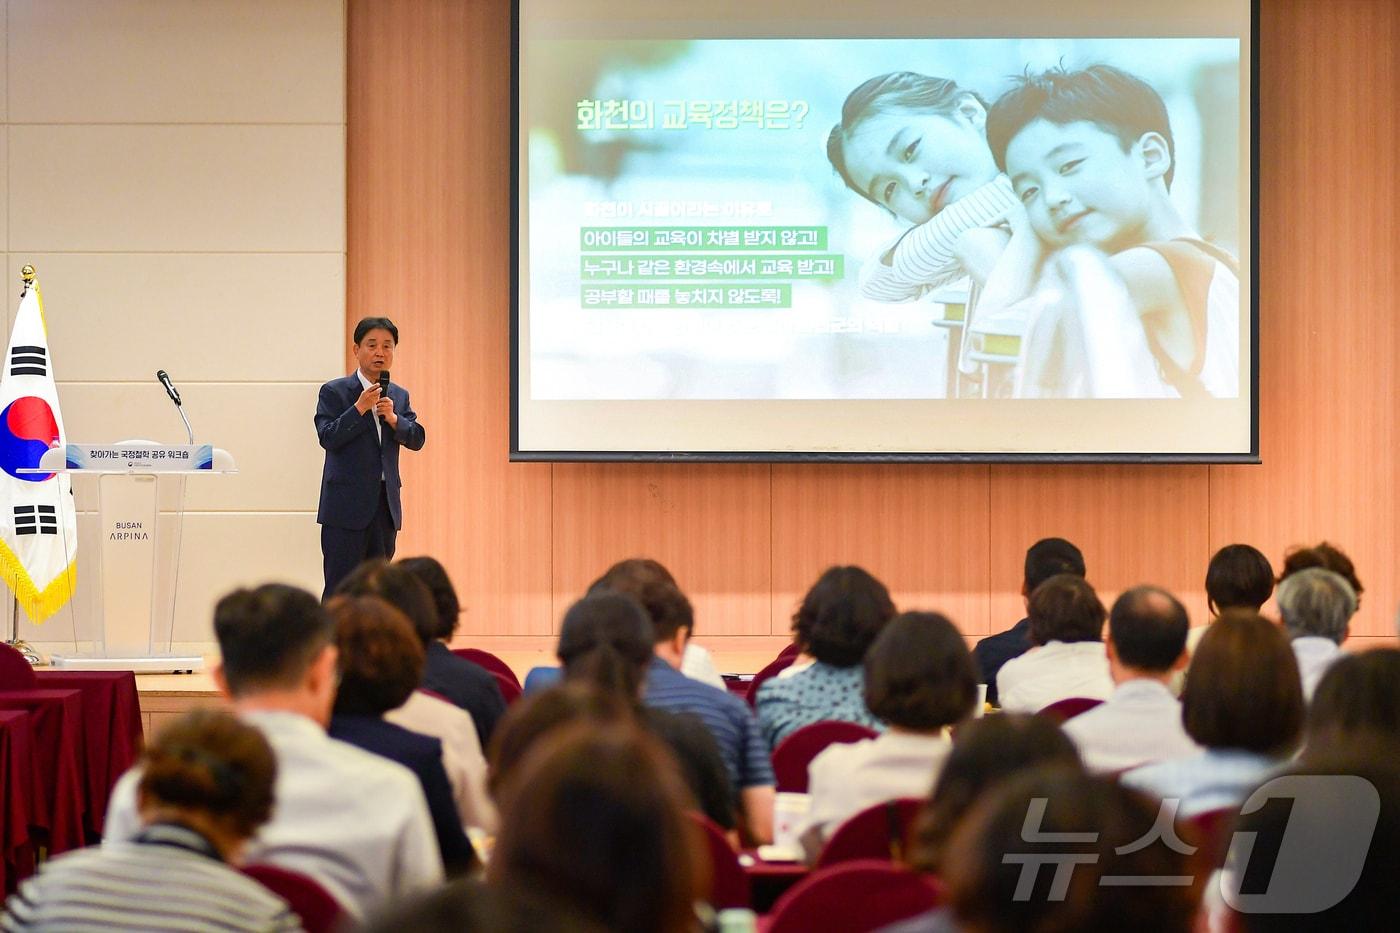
1316,606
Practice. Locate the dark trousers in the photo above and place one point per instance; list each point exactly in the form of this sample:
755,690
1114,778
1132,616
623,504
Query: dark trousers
344,549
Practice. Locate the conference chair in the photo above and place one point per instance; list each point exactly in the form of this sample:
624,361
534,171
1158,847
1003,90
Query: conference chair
15,672
318,910
505,677
880,832
729,885
774,667
1064,710
854,897
795,753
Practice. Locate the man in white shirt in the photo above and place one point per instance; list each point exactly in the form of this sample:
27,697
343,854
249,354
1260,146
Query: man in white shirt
1316,606
1068,659
354,822
1141,721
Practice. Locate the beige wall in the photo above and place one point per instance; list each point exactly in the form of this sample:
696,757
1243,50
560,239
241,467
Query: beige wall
176,173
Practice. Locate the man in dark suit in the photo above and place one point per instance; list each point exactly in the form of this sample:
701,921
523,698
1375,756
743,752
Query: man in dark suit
361,431
1046,558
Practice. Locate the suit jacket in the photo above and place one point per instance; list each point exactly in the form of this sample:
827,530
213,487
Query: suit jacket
995,650
422,755
355,458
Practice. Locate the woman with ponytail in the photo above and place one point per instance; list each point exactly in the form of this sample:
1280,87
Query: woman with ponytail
206,786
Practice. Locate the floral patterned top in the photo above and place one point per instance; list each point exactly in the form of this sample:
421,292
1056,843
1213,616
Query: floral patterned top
818,693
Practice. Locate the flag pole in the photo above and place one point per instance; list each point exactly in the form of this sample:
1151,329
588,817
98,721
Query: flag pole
31,655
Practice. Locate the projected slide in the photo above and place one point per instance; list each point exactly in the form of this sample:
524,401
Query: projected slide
831,245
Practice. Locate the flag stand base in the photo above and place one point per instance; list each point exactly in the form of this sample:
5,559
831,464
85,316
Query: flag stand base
30,653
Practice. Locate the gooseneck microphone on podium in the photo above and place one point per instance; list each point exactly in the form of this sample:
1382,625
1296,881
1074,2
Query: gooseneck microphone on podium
164,379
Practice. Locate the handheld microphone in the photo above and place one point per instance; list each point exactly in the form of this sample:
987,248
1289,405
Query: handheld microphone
164,378
384,383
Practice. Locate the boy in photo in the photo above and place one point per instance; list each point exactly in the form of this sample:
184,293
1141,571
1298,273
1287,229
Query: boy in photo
1156,309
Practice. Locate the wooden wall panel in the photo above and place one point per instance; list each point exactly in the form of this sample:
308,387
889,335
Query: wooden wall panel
1134,524
920,529
1328,297
708,523
428,219
428,215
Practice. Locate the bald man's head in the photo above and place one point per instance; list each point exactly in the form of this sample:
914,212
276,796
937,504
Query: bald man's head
1148,628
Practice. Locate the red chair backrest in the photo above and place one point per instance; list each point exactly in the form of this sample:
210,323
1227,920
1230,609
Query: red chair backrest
318,910
781,663
878,832
795,753
505,677
1066,709
15,672
854,897
729,885
1213,830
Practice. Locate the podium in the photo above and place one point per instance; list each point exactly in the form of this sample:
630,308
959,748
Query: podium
136,560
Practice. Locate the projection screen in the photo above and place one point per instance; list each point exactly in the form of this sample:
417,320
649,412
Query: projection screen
884,231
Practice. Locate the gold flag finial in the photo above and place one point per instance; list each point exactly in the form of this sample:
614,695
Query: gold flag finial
27,273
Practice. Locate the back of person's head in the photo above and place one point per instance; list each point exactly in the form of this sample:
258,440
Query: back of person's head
594,818
841,615
1304,845
380,656
1148,627
400,588
1328,557
1359,695
987,881
1116,102
471,906
536,715
897,90
1238,577
269,636
652,586
919,674
1050,557
1065,608
605,640
210,763
1318,603
1242,688
434,576
985,752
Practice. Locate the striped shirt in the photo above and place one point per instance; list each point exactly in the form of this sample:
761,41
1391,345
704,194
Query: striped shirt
728,718
923,256
168,878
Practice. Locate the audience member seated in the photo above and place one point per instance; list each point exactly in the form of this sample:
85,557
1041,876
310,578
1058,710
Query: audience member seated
837,622
463,758
1328,557
353,822
1238,577
469,905
381,663
593,820
466,685
206,786
605,641
1068,659
527,723
1243,703
1316,607
1002,881
696,661
985,752
1047,558
1358,697
728,718
1141,721
1304,854
919,680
